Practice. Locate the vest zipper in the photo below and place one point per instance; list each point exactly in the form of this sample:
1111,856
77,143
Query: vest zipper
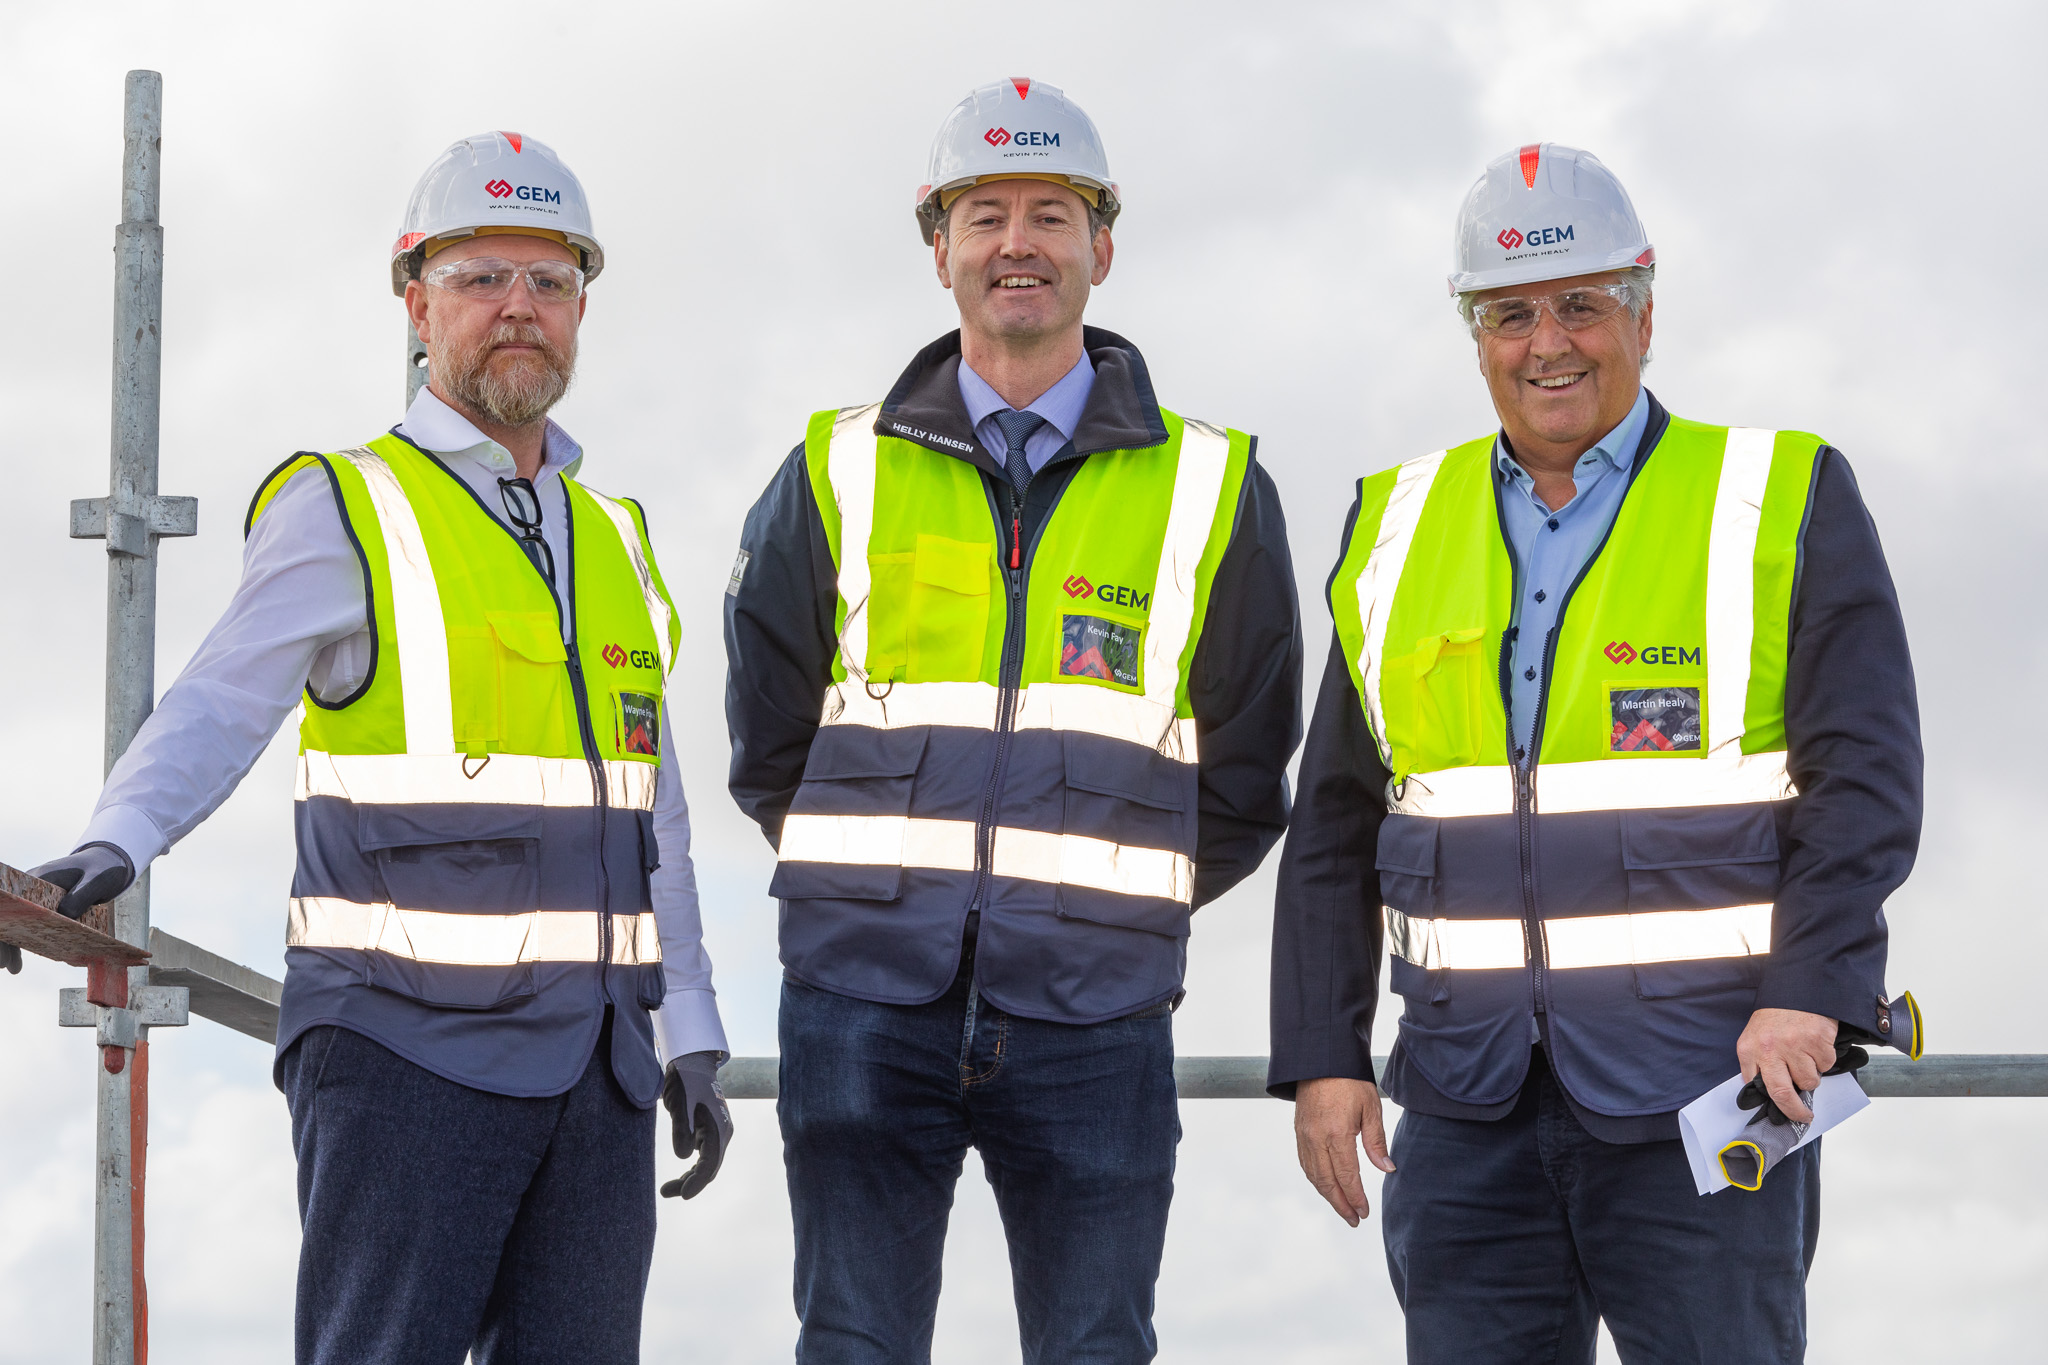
1009,676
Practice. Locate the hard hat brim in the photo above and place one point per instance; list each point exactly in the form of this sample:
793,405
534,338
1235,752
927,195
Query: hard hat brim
1550,268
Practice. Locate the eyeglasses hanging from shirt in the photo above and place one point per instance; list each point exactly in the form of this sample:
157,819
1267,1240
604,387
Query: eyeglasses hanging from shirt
522,509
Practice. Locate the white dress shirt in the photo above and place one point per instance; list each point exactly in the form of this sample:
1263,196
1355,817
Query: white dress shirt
297,620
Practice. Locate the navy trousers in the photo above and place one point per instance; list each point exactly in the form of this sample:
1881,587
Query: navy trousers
1509,1241
1076,1126
440,1220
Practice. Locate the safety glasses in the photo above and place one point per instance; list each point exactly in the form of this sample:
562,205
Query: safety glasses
1574,309
522,509
488,279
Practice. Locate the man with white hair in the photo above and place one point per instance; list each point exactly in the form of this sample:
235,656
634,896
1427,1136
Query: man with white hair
1617,757
494,888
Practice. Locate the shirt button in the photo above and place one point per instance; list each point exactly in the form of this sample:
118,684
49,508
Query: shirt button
1540,596
1552,523
1530,674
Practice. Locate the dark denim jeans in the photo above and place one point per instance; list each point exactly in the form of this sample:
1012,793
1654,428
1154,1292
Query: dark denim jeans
1509,1241
1076,1126
441,1220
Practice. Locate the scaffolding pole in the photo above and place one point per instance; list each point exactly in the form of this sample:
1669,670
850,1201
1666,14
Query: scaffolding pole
130,519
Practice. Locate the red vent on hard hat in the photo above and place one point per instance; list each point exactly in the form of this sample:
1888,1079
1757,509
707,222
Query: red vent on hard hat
1649,256
513,138
1532,157
407,242
1023,84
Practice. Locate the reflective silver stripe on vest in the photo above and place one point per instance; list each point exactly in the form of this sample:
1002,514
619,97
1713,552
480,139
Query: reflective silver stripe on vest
1381,576
1197,484
657,608
1624,784
457,779
1731,584
850,469
1049,706
421,633
1639,939
469,940
948,845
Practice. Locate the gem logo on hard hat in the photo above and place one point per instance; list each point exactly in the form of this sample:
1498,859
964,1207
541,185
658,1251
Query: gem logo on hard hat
499,189
1584,221
996,137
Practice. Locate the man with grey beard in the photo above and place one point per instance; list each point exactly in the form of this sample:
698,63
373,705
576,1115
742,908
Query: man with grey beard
494,915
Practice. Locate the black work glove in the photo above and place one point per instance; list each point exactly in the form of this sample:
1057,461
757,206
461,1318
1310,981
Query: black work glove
1848,1058
10,958
90,875
702,1123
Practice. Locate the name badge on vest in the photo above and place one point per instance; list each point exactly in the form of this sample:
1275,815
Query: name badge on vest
1091,647
640,723
1648,720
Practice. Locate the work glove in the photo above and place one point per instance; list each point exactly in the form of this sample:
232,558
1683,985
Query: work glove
10,958
90,875
702,1123
1848,1058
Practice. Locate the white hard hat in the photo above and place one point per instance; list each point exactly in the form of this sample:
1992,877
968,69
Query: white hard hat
1016,129
1544,213
494,182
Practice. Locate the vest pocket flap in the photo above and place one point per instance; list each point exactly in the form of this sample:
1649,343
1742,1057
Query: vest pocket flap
847,751
1111,767
1407,844
956,565
532,635
382,827
836,881
1703,836
1151,914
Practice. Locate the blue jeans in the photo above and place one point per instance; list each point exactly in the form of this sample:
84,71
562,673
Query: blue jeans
1076,1126
441,1220
1509,1241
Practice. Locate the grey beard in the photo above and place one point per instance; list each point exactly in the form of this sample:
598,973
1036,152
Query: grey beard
515,395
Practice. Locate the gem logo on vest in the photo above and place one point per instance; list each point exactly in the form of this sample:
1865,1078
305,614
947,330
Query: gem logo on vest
1622,652
1078,586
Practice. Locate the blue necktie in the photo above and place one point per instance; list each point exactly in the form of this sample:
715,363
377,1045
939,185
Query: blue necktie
1017,428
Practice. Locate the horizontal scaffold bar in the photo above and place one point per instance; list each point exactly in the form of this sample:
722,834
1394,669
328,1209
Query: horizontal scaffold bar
1244,1078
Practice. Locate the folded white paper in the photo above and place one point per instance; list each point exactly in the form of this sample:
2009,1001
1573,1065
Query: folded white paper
1712,1121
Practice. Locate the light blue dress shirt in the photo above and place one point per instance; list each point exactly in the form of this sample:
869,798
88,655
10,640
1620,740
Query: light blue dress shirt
1551,547
1059,405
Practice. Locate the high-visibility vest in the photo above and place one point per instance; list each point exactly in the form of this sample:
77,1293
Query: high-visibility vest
1623,882
475,820
1016,739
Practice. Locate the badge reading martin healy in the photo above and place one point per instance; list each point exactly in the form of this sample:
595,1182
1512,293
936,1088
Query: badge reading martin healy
1650,720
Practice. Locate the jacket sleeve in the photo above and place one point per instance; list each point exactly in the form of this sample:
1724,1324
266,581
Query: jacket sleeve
1244,685
1852,724
1327,927
779,642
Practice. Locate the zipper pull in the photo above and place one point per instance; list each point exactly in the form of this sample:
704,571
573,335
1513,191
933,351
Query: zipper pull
1016,538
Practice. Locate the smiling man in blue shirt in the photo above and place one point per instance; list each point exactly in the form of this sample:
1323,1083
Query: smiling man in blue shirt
1615,760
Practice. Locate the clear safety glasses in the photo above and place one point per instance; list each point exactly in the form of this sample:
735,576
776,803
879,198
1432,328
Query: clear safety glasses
1574,309
488,279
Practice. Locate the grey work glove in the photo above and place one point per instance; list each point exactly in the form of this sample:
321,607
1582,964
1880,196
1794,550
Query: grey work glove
90,874
10,958
702,1123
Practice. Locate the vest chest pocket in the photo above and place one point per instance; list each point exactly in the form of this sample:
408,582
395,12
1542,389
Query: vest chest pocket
510,687
1445,684
461,906
928,611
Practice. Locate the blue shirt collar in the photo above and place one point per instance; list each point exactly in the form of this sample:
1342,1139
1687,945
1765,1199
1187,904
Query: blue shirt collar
1059,405
1617,448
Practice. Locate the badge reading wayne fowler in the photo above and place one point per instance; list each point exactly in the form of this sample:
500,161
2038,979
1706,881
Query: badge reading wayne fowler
639,723
1091,647
1653,719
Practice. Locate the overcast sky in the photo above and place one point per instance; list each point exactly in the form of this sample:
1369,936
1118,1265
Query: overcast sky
1847,202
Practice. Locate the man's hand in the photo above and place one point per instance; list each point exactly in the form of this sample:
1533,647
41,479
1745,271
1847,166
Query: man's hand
1331,1117
1789,1049
89,875
701,1122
